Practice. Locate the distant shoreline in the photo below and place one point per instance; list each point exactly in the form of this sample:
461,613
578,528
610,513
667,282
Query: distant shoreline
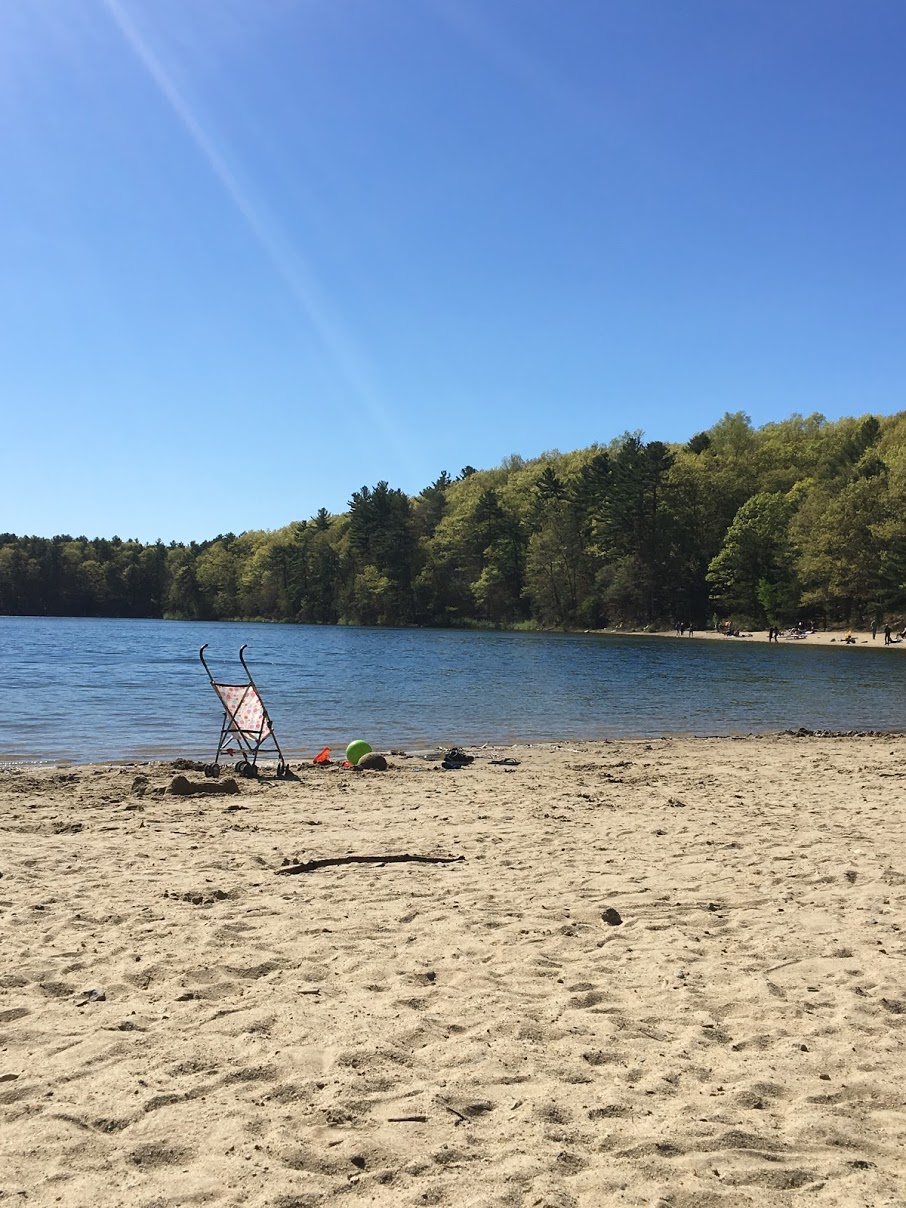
824,637
828,637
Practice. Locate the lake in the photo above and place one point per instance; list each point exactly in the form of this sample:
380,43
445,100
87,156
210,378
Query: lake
86,690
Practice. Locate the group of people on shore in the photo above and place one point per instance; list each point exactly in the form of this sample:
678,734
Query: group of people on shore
682,629
801,630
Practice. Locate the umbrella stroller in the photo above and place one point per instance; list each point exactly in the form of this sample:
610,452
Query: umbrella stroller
245,722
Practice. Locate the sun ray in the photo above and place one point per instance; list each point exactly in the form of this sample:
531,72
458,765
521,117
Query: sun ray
284,259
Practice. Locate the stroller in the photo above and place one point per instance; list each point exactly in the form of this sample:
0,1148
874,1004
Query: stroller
245,722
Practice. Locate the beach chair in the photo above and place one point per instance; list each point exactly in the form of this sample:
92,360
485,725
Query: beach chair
245,723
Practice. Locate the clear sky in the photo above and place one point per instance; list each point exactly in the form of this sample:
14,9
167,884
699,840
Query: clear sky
258,253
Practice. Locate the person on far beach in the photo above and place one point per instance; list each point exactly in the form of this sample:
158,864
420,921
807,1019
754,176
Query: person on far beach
690,630
886,635
874,630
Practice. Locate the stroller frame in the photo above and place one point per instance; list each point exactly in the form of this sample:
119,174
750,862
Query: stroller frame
245,721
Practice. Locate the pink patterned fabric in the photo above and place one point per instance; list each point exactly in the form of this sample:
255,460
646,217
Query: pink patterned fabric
244,707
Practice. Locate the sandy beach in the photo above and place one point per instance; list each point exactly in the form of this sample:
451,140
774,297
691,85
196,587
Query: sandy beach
821,637
651,973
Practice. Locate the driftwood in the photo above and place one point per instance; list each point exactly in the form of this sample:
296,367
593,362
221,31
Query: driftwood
292,870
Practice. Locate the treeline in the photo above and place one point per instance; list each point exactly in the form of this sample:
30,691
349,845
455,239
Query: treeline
799,519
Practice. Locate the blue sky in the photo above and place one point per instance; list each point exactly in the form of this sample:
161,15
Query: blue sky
258,253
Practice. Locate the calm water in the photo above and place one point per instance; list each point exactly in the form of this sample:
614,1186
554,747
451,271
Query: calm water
86,690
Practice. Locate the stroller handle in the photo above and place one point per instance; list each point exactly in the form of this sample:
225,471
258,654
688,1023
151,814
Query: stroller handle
203,663
242,650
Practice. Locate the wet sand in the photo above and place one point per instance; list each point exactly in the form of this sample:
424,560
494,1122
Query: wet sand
465,1033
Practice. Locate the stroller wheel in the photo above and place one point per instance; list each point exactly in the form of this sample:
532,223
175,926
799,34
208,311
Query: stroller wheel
246,769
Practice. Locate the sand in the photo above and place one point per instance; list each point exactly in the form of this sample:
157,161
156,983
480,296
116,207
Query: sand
822,637
463,1033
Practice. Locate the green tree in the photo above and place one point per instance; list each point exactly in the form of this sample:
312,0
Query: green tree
754,573
556,578
844,535
217,576
382,535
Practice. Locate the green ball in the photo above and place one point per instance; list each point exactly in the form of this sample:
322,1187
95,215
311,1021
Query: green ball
356,749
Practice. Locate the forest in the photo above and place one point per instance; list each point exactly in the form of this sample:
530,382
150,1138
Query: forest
800,519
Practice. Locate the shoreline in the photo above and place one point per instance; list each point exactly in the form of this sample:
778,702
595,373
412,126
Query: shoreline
665,970
823,637
300,763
